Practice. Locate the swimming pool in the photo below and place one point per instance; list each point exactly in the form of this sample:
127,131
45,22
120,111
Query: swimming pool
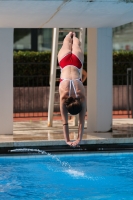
104,176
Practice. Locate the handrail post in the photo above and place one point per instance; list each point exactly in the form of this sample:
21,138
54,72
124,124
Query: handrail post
53,76
128,102
82,42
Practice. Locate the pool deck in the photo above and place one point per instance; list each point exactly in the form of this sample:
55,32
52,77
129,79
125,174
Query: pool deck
37,134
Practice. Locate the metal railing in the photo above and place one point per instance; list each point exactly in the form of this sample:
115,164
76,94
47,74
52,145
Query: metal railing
123,91
122,104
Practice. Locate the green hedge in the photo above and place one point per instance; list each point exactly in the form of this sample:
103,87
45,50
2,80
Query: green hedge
121,61
34,63
31,63
38,63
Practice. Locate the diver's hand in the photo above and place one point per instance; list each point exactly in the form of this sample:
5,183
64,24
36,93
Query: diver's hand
69,143
76,143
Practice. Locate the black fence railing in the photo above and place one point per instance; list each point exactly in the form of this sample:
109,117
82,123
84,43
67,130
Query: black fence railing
122,95
31,95
123,90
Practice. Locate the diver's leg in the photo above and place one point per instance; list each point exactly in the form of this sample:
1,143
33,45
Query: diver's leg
66,47
76,49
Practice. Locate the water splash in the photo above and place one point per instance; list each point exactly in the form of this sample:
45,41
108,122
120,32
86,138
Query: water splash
25,150
65,165
75,173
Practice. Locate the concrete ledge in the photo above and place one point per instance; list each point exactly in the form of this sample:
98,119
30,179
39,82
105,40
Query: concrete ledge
38,135
91,141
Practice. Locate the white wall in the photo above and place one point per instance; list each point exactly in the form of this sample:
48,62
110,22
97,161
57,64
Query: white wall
6,81
99,79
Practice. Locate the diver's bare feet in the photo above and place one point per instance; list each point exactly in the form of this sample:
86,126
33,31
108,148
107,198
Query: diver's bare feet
74,34
70,34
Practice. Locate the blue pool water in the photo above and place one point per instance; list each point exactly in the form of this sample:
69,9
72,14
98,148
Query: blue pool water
106,176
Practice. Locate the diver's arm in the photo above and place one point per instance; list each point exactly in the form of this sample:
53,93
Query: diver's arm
64,115
84,75
81,124
81,121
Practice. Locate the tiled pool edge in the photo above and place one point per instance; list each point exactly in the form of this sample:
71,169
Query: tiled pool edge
62,142
87,154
